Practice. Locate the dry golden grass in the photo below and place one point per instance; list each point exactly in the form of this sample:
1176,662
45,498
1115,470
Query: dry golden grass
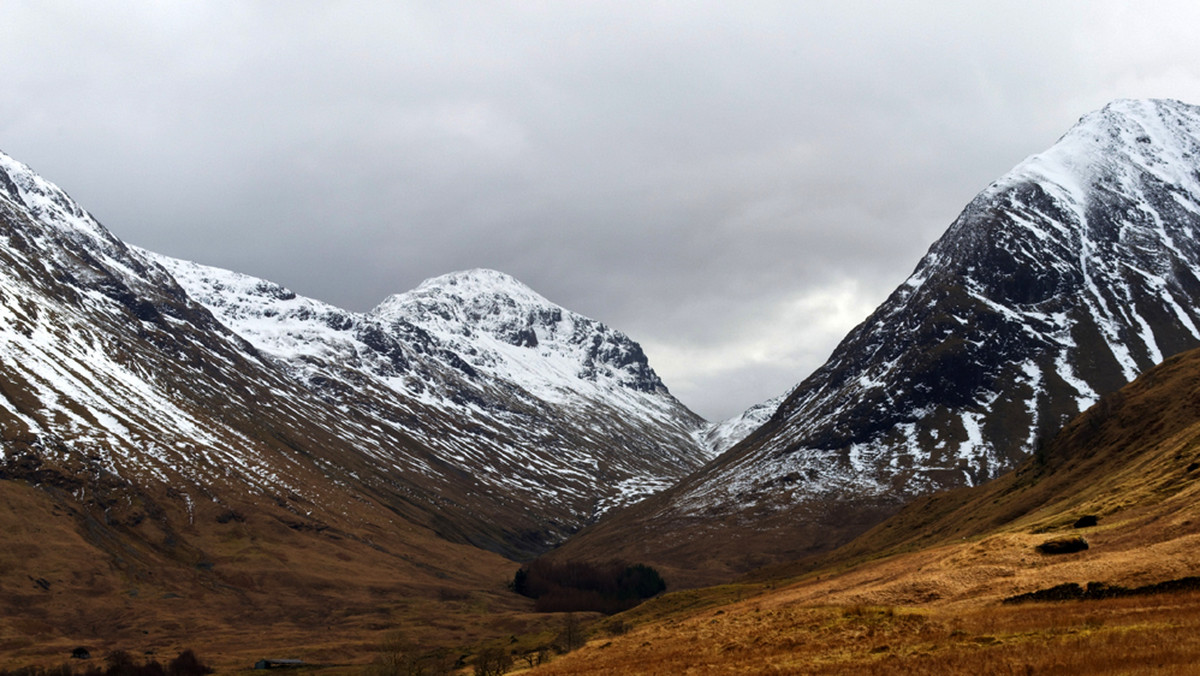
768,635
238,591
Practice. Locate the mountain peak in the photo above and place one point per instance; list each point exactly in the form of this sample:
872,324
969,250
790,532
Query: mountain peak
1116,145
478,279
469,294
497,319
46,201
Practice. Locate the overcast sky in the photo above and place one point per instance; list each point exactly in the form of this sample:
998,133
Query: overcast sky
735,185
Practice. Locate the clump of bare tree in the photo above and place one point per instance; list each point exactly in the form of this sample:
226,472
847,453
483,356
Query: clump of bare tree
571,636
582,586
493,661
400,657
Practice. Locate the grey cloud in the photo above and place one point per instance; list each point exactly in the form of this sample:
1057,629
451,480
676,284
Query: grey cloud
682,171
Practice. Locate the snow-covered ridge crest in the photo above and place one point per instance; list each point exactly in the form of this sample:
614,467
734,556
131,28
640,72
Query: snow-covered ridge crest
46,201
724,435
273,318
66,229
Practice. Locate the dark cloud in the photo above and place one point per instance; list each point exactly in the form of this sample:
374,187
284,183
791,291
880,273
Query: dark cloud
733,185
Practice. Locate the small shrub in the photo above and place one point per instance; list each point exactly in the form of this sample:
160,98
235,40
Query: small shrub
120,663
536,657
187,664
618,628
1066,545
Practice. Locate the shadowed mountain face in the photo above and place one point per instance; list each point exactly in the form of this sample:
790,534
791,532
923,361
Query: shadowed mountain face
1061,281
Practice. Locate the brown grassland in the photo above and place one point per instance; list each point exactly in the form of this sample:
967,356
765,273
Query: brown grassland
773,634
235,592
921,593
936,611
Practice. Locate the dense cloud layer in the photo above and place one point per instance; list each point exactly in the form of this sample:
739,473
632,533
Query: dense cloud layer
733,185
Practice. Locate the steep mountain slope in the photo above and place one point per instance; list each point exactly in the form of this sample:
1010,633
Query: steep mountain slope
109,369
272,449
1060,281
925,591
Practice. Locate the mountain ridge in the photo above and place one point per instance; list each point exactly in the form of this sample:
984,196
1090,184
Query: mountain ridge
1044,293
185,432
439,360
237,382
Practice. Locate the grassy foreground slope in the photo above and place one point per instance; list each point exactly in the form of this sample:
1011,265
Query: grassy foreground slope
923,592
233,585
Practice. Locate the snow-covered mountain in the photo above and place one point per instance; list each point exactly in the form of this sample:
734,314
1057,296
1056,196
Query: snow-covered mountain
537,403
85,321
1061,281
471,405
724,435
